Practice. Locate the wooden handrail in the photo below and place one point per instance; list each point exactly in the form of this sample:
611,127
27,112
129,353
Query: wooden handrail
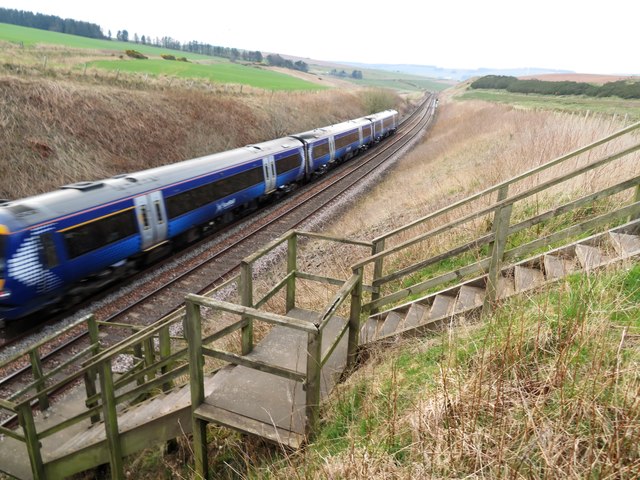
495,207
508,182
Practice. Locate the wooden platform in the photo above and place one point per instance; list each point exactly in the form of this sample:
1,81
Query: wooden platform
273,407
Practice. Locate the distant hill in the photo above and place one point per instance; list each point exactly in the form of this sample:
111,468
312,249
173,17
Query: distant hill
459,74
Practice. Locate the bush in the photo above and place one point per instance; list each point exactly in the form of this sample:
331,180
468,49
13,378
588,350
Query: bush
135,54
168,57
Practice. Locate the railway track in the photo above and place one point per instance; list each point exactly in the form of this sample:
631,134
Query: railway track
204,266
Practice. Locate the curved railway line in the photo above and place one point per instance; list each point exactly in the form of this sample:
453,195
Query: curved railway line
204,266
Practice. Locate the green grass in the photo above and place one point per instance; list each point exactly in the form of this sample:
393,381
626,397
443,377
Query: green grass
480,398
199,66
384,79
569,103
219,72
30,37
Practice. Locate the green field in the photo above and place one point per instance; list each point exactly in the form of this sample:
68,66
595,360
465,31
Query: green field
220,72
400,81
568,103
200,66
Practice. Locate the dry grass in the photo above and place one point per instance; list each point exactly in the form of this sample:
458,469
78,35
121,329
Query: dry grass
56,132
547,389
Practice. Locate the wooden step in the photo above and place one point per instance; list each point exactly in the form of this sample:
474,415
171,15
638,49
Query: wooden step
369,330
415,316
390,324
558,267
506,286
625,244
590,257
469,298
245,424
527,278
442,307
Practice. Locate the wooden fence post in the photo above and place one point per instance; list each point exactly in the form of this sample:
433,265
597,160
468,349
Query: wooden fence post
91,376
246,299
25,417
165,351
503,193
636,198
314,362
193,331
110,414
503,219
378,246
292,254
36,368
354,321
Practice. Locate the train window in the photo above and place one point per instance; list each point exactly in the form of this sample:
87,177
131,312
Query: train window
93,235
321,149
200,196
158,212
288,163
144,216
347,139
50,254
366,131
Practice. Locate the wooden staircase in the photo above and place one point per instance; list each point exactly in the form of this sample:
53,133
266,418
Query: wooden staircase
432,311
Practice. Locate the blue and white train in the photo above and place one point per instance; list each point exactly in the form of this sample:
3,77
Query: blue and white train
61,246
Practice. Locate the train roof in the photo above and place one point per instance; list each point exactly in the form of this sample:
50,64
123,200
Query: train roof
325,132
77,197
380,115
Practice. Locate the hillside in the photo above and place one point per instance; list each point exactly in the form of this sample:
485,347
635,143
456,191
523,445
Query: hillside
56,132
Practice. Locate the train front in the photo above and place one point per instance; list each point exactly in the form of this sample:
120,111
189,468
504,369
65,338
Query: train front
21,268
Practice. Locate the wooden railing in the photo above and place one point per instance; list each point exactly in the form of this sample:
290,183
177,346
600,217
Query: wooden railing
155,366
498,213
249,311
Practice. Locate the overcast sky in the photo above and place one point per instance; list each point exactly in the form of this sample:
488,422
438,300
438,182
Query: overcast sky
585,36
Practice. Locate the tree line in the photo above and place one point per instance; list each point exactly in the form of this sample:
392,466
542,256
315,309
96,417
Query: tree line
621,88
91,30
51,23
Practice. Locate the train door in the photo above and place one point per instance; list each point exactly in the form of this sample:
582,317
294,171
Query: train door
152,219
332,148
269,168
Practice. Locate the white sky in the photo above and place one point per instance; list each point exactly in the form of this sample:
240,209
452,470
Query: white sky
586,36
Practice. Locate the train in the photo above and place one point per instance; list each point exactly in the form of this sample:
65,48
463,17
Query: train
58,248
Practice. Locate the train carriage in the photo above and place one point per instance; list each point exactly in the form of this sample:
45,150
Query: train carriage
384,123
75,240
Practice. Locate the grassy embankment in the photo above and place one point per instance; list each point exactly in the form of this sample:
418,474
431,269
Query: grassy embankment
546,388
61,124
